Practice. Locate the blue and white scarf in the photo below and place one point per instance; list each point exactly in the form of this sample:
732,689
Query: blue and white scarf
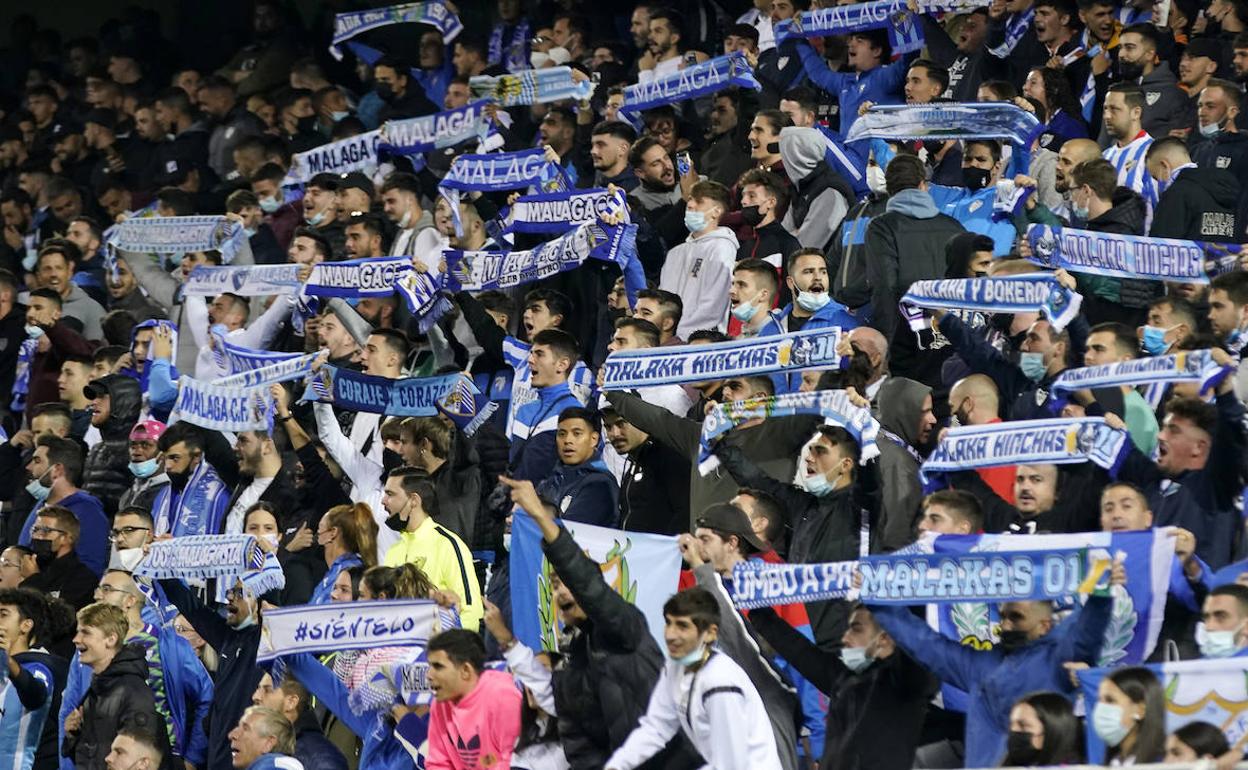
791,352
466,407
289,367
709,77
833,405
402,397
559,212
425,298
1129,256
234,359
21,376
218,407
1185,366
197,504
321,594
414,136
346,626
1012,294
515,56
481,270
1015,27
243,280
499,171
176,235
904,33
256,582
551,84
1025,442
368,277
433,13
355,153
943,121
202,557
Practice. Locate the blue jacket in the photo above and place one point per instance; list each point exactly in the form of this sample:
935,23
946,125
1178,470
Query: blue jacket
587,493
381,748
994,679
533,454
187,684
92,547
974,211
882,85
831,314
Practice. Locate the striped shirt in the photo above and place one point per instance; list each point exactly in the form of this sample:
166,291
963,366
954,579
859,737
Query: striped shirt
1133,171
516,354
21,729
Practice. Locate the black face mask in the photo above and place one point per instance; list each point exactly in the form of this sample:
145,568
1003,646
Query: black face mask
751,215
975,178
306,124
385,91
1019,749
43,552
773,148
1013,640
1130,70
396,523
179,478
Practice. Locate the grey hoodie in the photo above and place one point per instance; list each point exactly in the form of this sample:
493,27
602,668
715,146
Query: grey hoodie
901,409
700,271
802,150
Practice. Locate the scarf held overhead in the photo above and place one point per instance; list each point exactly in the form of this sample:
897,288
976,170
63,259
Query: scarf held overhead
178,235
355,153
402,397
433,13
346,626
1013,294
243,280
414,136
559,212
833,405
552,84
201,556
1129,256
709,77
1186,366
222,407
958,120
792,352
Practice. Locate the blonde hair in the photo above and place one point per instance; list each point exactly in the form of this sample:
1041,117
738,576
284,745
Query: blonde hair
358,528
107,619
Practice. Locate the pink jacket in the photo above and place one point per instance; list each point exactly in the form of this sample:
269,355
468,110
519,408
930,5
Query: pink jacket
480,731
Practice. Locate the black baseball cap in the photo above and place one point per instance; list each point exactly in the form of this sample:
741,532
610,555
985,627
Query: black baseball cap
730,520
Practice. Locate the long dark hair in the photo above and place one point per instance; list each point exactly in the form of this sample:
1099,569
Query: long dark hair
1203,738
1141,686
1063,738
1057,93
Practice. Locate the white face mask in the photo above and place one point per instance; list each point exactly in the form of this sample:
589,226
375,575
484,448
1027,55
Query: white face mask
539,59
560,55
125,559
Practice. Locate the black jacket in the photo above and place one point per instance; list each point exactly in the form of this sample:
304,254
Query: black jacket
610,668
820,529
1134,295
237,673
106,473
67,578
654,490
117,698
875,717
1198,205
1166,107
847,256
769,239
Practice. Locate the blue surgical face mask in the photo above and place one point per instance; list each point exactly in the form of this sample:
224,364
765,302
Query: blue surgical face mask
1107,723
251,231
1211,130
813,302
29,261
145,469
37,490
695,221
337,115
744,312
855,658
1154,340
1216,644
817,484
316,218
1032,365
34,332
693,656
269,205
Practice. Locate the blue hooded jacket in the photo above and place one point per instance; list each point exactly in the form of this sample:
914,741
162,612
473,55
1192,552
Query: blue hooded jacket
586,493
993,678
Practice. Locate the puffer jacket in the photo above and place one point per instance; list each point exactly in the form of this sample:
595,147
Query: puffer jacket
106,473
118,697
611,665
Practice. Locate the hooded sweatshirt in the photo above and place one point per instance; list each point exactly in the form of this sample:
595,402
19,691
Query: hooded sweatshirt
820,196
700,271
106,472
1166,107
901,409
1199,204
479,730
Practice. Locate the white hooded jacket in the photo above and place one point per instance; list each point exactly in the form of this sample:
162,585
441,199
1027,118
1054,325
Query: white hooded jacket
700,271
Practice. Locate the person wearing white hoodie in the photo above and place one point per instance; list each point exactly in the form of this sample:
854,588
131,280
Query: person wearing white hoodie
700,269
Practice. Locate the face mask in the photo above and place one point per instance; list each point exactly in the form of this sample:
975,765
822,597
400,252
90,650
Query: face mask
1211,130
744,312
817,484
695,221
251,231
34,332
693,657
1215,644
37,490
43,551
1080,212
406,221
247,623
855,658
1013,639
306,124
1019,748
1107,723
751,215
811,301
1154,341
1032,365
269,205
396,521
338,115
274,539
975,178
507,542
1130,70
316,219
179,478
125,559
538,59
145,469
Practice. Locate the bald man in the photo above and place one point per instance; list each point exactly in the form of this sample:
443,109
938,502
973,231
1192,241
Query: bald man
1072,153
1197,203
974,400
871,342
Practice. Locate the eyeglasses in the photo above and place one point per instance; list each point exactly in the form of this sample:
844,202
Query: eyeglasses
234,593
538,40
113,534
182,628
47,531
11,564
104,589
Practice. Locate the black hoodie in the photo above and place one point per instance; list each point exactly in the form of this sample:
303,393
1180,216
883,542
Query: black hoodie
1198,205
106,472
119,697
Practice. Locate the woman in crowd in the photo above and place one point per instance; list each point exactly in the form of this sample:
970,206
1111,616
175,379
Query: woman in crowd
1130,717
348,536
1044,731
1195,741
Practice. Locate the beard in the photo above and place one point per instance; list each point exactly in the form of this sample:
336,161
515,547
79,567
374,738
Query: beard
657,185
